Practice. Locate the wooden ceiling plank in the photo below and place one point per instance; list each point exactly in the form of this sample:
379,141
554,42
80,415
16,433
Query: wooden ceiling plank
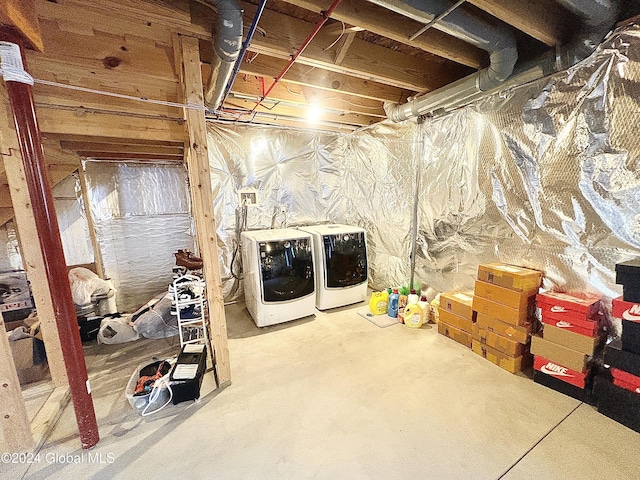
542,19
318,78
122,148
384,22
366,60
250,85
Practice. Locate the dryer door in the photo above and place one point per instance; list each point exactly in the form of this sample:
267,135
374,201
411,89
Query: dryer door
287,269
345,259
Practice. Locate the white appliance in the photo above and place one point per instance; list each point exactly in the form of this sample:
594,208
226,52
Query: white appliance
340,253
278,275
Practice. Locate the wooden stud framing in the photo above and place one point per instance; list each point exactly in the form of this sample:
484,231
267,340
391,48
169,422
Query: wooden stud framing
202,201
31,253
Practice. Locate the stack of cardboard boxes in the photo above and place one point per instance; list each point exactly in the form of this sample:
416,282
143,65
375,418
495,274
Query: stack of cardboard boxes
504,305
571,336
455,316
619,396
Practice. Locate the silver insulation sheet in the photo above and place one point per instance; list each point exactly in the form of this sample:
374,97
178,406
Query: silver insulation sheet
304,177
545,176
141,214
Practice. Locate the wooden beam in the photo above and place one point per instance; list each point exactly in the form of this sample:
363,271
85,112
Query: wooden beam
340,29
251,86
129,148
78,121
143,157
202,201
16,428
6,214
343,47
544,20
32,257
97,253
384,22
366,60
19,16
263,66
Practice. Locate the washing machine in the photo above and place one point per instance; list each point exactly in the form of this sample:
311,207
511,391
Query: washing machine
340,253
278,277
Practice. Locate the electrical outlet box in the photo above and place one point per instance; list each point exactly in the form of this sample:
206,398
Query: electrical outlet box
247,196
282,209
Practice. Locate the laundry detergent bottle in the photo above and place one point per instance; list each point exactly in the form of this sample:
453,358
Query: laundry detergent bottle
379,303
392,311
413,316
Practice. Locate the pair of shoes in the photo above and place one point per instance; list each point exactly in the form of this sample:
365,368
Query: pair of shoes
184,258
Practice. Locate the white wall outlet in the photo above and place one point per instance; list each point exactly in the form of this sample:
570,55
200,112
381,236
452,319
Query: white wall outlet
247,196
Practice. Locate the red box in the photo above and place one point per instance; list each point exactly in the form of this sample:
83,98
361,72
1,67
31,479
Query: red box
570,305
626,380
583,327
626,310
565,374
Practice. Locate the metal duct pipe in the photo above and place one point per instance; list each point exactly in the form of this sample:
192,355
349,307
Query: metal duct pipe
496,40
599,16
226,46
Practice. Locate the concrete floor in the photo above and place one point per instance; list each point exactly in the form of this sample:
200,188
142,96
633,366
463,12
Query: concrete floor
335,397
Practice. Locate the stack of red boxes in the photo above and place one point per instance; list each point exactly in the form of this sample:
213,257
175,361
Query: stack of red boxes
456,316
620,399
571,337
504,302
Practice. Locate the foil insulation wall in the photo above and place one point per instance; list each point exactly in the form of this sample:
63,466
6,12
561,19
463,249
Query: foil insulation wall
545,175
142,216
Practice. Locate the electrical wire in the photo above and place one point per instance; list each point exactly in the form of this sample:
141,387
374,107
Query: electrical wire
191,106
339,37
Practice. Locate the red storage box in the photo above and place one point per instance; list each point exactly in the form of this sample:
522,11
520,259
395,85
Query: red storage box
626,310
583,327
626,380
570,305
560,372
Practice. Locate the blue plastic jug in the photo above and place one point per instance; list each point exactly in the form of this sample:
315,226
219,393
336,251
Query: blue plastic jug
392,311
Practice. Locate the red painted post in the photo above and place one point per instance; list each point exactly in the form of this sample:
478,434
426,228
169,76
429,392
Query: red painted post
36,175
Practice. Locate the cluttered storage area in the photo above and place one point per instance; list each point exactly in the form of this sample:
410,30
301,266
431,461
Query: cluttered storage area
472,269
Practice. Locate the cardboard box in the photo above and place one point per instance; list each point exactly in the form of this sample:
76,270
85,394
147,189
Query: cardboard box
455,334
618,403
578,379
456,321
589,328
572,340
510,364
458,303
615,357
628,275
509,315
581,394
510,276
504,296
518,333
631,336
626,380
557,353
29,358
503,344
626,310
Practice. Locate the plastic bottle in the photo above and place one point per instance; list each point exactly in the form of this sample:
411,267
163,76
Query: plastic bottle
379,303
392,311
423,303
412,298
402,303
413,316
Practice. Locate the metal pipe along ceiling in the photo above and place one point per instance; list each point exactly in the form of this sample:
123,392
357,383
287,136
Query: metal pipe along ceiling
226,46
494,39
599,15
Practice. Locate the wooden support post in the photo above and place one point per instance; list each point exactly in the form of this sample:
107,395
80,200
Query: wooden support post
29,246
202,201
13,412
97,254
